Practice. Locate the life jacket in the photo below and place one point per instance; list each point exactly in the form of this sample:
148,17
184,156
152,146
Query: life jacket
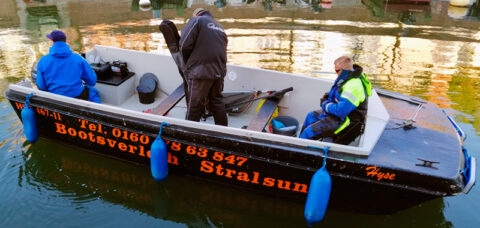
359,114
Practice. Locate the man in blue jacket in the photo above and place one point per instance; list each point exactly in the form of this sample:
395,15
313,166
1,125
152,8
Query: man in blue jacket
64,72
346,103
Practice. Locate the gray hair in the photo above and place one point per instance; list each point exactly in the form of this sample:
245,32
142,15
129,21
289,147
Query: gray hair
344,63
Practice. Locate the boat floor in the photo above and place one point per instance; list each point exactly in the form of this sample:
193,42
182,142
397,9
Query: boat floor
179,110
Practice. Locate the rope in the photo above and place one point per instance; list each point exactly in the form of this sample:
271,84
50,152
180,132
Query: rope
408,123
324,150
27,100
161,126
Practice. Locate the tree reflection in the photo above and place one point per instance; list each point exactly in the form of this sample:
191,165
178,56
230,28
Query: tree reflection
463,92
157,5
406,12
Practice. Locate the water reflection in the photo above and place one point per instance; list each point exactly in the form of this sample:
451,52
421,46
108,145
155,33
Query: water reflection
83,178
415,49
67,176
156,6
465,12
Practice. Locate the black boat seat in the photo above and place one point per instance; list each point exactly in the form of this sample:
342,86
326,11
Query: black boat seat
350,133
168,103
264,114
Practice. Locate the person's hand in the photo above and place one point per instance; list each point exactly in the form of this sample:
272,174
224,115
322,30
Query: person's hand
324,98
324,106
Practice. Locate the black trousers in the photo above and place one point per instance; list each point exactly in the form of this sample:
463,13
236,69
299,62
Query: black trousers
206,93
85,94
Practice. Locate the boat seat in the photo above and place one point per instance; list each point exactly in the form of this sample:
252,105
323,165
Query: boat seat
350,133
168,103
259,122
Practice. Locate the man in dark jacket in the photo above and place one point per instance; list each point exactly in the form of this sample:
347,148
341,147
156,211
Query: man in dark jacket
62,71
203,45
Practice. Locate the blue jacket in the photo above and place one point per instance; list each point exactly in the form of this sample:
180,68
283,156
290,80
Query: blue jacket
341,104
62,71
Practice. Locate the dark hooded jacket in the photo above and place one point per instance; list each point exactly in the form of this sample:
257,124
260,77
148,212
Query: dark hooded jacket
203,44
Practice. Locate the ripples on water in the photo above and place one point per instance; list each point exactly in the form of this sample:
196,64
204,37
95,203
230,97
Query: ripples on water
431,51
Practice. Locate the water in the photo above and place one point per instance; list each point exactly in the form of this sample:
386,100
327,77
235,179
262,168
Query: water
430,51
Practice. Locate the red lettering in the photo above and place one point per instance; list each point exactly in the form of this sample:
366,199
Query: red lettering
242,177
83,123
116,133
285,186
92,127
202,152
122,146
82,135
229,173
72,132
176,146
144,139
60,128
91,136
374,171
111,143
100,128
100,140
19,105
230,159
206,166
132,149
172,159
297,186
269,182
255,177
380,176
242,160
219,169
125,135
133,137
142,151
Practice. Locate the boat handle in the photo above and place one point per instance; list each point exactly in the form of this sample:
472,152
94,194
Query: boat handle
470,171
458,128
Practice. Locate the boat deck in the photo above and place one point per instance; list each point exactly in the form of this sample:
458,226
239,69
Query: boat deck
432,139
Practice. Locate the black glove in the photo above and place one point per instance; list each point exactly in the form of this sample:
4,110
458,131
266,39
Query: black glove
324,98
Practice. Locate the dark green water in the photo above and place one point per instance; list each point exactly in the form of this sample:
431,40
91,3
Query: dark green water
430,51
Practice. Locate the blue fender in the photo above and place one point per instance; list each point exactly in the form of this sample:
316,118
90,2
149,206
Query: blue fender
159,158
29,121
318,194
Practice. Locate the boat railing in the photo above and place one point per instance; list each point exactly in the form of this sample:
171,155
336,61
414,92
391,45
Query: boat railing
457,127
469,172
